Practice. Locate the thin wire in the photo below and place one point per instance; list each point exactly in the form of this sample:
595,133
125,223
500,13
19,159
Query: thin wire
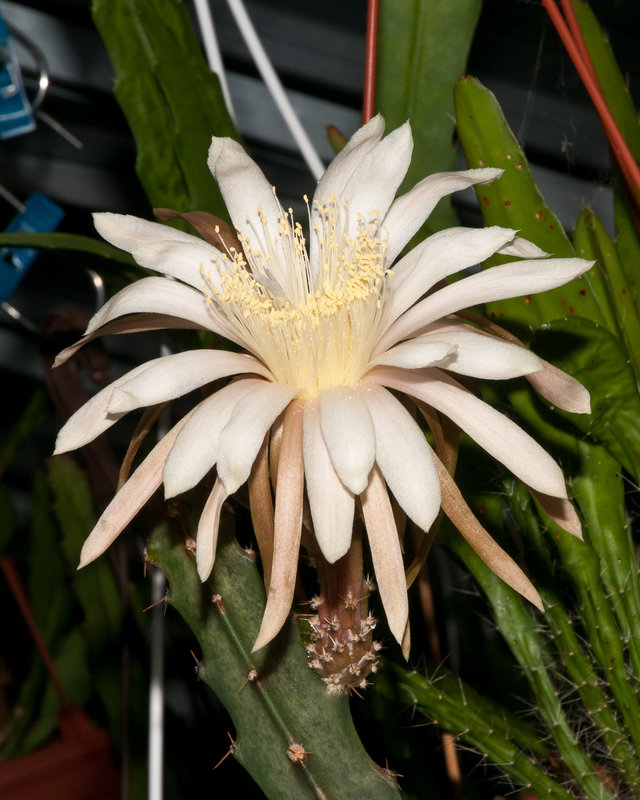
369,97
212,49
269,76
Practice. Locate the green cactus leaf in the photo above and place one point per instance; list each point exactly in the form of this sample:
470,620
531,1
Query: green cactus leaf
172,101
428,38
514,201
284,702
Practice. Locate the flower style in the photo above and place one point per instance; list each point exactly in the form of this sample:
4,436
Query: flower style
330,335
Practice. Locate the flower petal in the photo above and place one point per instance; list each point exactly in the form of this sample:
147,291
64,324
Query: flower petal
375,181
248,195
561,512
161,296
494,432
91,419
208,526
130,498
481,356
185,261
442,254
348,160
403,456
417,353
172,376
348,433
497,559
410,210
331,503
496,283
133,324
242,437
287,526
196,448
561,389
385,553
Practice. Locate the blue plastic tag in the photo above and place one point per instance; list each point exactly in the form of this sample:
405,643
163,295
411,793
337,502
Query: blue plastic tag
16,116
41,215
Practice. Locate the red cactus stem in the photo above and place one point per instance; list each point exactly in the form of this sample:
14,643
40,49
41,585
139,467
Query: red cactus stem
368,101
578,38
582,62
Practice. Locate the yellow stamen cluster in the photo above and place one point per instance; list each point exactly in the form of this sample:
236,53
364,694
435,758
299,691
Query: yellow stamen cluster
313,331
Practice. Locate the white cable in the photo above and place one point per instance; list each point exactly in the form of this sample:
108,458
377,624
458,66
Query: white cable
211,48
156,690
269,76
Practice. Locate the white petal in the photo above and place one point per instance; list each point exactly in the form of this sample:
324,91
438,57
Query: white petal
410,210
161,296
439,256
208,526
91,419
242,437
331,503
247,193
130,498
376,179
418,353
343,166
172,376
497,283
561,512
483,356
348,433
523,248
183,260
561,389
385,553
403,456
196,448
494,432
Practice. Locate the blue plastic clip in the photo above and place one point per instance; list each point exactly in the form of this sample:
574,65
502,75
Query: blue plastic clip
16,116
40,215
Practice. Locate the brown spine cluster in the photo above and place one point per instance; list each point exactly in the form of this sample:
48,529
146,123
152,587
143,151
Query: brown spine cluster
341,648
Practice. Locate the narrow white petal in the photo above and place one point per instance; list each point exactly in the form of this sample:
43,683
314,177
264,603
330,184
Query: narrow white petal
385,553
287,527
376,179
418,353
494,432
247,193
497,283
208,526
410,210
342,167
161,296
481,356
331,503
172,376
523,248
348,433
241,438
443,254
561,389
183,260
130,498
561,512
196,448
91,419
403,456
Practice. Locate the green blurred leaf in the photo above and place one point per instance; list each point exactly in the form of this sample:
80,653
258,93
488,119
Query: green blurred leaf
65,241
95,585
172,101
35,413
595,357
422,51
514,201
